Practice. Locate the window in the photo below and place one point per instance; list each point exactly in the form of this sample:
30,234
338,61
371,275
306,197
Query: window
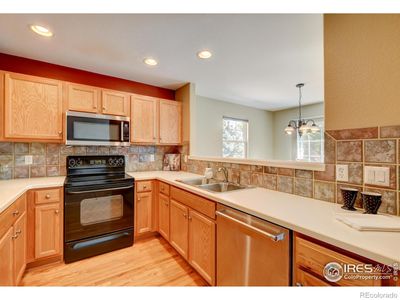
234,137
310,147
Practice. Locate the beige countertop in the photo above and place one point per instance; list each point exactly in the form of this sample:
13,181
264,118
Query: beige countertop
10,190
305,215
308,216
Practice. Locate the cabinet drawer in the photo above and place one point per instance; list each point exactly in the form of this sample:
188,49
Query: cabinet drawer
12,213
306,279
164,188
143,186
47,196
198,203
313,257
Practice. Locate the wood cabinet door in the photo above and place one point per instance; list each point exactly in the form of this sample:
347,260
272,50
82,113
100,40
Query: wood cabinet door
202,245
7,258
304,278
170,122
178,231
144,212
47,230
32,107
144,119
19,248
163,215
83,98
115,103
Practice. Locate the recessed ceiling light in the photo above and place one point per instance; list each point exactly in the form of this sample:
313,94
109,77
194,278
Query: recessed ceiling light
204,54
43,31
150,61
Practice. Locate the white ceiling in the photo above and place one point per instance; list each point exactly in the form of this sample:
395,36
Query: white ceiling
257,59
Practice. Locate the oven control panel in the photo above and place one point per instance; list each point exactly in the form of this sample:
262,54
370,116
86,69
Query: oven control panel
83,162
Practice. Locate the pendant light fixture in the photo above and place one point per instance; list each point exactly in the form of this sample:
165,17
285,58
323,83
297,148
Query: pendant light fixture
302,126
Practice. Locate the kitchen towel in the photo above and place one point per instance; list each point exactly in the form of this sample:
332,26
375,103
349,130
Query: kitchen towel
367,222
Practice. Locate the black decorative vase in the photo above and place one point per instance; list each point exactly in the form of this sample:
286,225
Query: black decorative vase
349,196
371,202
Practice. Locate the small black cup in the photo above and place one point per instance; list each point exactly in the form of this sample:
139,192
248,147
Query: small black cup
371,202
349,196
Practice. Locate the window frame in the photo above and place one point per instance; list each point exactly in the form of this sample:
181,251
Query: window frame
246,142
320,121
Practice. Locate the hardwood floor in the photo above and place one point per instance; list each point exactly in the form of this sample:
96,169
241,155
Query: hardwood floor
149,262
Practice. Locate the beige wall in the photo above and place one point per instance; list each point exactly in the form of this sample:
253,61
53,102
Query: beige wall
206,123
362,70
282,143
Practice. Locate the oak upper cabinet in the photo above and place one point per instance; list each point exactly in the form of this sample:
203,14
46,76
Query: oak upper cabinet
179,227
7,258
144,119
32,107
163,215
115,103
202,245
20,242
170,122
83,98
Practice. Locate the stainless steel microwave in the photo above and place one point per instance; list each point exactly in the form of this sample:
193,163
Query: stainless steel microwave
97,130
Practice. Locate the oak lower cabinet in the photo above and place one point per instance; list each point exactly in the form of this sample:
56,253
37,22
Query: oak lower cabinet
144,208
192,231
202,245
13,243
45,226
163,215
7,259
47,230
311,257
179,228
33,108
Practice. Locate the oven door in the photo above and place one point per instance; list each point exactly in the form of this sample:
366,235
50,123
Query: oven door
100,130
97,211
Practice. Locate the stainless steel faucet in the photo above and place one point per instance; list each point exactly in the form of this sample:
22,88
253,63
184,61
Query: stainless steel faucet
223,169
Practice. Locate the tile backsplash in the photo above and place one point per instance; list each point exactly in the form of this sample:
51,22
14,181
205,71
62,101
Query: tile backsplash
374,146
50,159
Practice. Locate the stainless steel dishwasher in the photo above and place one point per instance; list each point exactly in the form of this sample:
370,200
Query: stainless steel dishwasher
251,251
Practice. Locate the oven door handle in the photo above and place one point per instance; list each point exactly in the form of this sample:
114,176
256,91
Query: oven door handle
102,190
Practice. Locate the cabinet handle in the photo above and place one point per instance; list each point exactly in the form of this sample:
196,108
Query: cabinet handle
18,231
166,203
185,216
56,211
47,196
138,199
190,218
14,236
16,213
298,284
60,132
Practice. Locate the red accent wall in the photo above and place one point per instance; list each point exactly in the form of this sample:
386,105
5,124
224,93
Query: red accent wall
39,68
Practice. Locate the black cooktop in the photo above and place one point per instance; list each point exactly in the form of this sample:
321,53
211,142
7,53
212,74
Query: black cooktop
95,170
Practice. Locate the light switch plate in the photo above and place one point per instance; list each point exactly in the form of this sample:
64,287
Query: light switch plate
28,159
377,175
342,173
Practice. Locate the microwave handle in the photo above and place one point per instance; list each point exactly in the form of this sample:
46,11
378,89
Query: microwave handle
122,131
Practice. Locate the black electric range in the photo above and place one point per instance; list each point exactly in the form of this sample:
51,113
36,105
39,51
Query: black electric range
98,209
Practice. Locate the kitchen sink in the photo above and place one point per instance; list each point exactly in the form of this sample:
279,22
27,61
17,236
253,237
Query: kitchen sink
222,187
212,185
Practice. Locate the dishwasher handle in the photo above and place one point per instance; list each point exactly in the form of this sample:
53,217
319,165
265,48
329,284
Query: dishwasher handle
274,237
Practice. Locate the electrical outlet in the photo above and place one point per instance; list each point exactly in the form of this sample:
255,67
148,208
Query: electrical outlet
342,173
28,159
